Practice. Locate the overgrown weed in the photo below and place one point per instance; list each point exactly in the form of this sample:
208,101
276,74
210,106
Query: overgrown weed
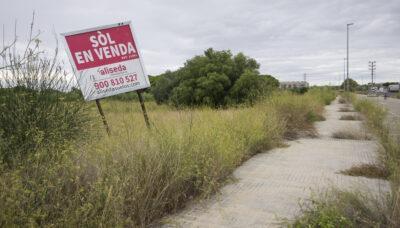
337,208
350,117
354,209
368,170
138,175
352,135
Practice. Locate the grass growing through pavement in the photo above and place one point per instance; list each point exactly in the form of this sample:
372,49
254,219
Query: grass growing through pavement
353,135
368,170
342,100
350,117
138,175
354,209
346,109
336,208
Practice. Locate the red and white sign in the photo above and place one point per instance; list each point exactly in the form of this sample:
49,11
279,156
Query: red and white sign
106,60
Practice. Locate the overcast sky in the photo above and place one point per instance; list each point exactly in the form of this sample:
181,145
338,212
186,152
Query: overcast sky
287,38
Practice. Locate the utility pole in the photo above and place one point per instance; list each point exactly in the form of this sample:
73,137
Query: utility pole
305,77
347,82
344,73
372,67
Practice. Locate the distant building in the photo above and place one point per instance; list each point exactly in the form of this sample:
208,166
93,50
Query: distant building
293,85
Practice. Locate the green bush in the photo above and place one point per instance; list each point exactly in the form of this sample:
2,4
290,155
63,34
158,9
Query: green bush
215,79
33,109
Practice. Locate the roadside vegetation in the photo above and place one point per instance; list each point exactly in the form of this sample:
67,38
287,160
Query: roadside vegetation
338,208
346,109
59,168
351,134
350,117
368,170
342,100
215,79
138,175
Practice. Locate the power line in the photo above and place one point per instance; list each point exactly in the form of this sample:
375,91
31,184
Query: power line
372,68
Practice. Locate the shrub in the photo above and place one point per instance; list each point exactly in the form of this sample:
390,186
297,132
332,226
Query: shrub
33,112
215,79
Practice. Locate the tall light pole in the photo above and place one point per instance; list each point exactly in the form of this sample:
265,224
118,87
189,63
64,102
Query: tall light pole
344,73
347,82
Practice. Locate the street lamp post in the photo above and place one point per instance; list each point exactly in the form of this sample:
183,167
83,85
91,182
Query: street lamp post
344,74
347,75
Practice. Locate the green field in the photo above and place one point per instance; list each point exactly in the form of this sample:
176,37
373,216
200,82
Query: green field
137,175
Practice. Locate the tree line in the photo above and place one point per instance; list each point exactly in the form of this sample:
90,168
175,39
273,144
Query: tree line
216,78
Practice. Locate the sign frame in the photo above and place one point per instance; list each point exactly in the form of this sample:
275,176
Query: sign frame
81,73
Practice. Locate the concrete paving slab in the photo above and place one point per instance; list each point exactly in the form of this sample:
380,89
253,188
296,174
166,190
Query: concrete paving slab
270,185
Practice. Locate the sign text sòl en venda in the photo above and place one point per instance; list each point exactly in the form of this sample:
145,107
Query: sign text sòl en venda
106,60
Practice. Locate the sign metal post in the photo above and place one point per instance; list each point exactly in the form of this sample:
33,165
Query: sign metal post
141,100
103,117
106,61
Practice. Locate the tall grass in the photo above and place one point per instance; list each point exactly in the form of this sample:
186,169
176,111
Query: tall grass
390,141
336,208
33,113
354,209
138,175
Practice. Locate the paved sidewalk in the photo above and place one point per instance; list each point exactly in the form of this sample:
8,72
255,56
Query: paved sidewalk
270,185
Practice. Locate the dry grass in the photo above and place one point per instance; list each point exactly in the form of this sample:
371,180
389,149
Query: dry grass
137,175
342,100
352,208
353,135
350,117
368,170
346,109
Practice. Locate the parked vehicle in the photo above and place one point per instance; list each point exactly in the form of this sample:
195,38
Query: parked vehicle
394,88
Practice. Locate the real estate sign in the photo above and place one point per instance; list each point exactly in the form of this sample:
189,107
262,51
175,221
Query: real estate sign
106,60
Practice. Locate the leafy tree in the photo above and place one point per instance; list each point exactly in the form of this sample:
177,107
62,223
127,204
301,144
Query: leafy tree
247,88
210,79
162,85
349,84
183,93
389,83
